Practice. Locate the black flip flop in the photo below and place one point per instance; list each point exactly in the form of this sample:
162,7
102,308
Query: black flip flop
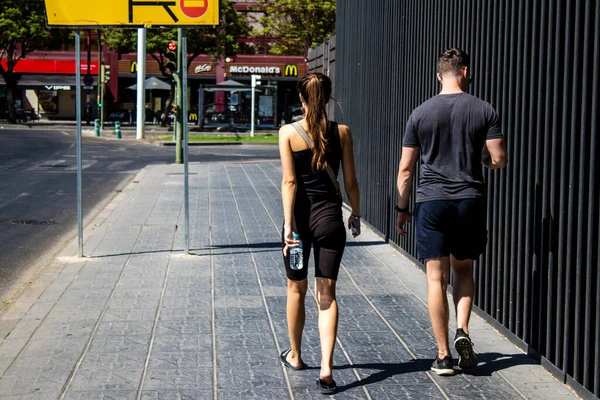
326,388
283,358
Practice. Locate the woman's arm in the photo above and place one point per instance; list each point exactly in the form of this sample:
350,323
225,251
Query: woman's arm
288,183
350,181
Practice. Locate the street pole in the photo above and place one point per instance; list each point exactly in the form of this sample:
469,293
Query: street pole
252,110
178,118
254,82
78,132
141,76
184,132
99,85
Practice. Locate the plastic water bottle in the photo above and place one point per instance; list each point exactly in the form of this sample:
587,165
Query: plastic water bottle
296,254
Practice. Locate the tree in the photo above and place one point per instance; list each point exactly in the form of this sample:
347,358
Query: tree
296,25
217,42
22,30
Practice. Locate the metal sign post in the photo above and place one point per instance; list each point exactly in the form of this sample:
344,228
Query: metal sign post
184,133
131,13
78,132
141,90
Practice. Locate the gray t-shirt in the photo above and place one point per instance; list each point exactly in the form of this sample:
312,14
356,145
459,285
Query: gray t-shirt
451,130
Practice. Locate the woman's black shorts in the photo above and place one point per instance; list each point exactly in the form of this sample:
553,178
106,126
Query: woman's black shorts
321,226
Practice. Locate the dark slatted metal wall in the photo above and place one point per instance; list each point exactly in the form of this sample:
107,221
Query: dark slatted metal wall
536,62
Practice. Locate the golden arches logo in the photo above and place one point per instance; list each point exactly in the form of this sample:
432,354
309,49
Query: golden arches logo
193,117
133,67
291,70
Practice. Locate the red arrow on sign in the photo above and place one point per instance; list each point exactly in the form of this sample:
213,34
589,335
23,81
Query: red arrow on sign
194,8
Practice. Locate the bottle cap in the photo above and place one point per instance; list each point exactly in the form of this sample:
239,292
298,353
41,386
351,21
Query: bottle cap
295,236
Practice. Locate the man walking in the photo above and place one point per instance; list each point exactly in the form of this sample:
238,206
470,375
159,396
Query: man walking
454,133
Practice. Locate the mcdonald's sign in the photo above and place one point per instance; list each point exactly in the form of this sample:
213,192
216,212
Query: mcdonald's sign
133,67
193,117
291,70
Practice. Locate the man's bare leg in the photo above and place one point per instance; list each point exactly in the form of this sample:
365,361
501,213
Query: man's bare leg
438,270
463,288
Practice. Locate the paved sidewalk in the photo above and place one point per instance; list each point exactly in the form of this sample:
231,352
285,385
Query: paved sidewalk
138,319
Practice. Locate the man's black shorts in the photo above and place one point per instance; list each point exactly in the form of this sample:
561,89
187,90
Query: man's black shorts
456,227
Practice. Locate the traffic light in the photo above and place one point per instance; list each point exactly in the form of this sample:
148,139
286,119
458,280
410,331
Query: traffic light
171,63
104,73
255,79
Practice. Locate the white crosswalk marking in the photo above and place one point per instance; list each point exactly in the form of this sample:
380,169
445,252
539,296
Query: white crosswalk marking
119,165
84,165
61,165
48,165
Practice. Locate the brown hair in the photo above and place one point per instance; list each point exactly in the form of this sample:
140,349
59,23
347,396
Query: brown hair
452,61
315,90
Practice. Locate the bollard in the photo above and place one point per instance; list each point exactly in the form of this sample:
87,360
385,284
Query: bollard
97,127
118,129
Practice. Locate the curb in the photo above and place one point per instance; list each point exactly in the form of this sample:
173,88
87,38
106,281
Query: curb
207,143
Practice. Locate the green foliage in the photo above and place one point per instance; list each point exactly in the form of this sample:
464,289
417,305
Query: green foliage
296,25
217,42
22,29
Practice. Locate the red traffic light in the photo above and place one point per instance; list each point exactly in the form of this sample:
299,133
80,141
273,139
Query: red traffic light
172,46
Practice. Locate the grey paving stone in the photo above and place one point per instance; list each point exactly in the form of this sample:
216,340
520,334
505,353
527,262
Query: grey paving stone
241,301
266,392
184,326
234,341
394,392
55,346
190,359
36,395
32,383
120,343
183,302
244,368
233,320
101,395
185,313
106,379
164,343
118,328
130,314
114,360
177,394
178,379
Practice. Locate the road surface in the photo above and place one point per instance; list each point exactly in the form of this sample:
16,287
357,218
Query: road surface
38,209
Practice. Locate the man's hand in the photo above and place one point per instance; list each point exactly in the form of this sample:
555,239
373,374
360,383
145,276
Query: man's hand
403,218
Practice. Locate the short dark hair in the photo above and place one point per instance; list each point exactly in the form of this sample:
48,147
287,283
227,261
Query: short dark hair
452,61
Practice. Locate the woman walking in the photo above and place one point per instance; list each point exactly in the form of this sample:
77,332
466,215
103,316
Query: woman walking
312,151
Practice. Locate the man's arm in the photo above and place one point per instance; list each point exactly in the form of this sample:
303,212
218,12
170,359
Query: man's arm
406,173
494,154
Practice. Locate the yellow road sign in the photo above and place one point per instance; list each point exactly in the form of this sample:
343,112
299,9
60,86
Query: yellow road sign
134,13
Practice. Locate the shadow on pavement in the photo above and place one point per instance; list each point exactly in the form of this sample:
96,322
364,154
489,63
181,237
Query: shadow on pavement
269,246
385,371
488,364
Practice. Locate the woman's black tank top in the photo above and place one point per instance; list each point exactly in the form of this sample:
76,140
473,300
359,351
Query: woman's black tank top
317,185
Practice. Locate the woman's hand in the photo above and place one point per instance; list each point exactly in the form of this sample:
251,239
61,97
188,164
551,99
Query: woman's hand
354,220
289,241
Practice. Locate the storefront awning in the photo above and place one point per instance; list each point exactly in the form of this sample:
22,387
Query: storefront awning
42,80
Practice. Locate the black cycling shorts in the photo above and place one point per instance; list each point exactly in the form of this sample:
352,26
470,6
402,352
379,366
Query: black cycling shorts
321,226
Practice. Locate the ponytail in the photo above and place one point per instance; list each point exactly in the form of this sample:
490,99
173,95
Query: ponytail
316,91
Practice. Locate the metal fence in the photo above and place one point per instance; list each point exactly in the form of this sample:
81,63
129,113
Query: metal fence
536,62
